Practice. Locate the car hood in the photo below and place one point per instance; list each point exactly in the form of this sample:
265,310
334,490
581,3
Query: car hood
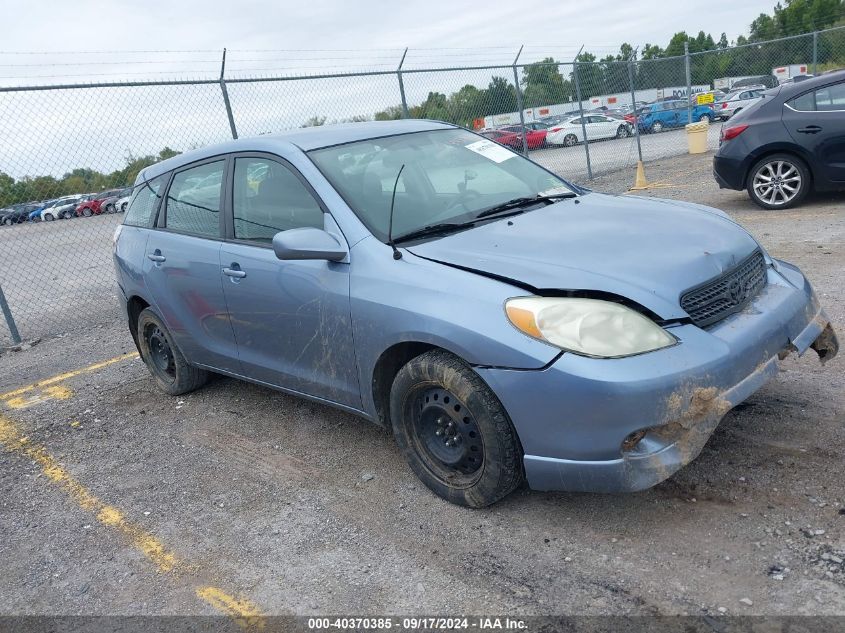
644,249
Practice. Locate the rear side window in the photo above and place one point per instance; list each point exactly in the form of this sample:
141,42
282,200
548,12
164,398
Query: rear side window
193,201
144,203
804,103
829,98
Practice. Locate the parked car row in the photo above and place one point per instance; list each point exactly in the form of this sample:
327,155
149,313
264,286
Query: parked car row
66,207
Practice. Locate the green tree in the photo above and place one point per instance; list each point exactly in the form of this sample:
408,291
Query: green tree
544,85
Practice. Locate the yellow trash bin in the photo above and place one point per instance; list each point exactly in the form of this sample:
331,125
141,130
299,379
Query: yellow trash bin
697,137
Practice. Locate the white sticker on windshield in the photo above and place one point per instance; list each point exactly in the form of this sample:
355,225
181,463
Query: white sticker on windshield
491,150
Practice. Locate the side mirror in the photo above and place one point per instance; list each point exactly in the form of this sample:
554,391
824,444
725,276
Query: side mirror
307,243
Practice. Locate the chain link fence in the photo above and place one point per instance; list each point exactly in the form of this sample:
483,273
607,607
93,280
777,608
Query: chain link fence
69,152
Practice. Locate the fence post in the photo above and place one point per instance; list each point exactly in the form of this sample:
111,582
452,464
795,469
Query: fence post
815,52
226,97
581,110
689,82
10,320
519,103
634,105
405,114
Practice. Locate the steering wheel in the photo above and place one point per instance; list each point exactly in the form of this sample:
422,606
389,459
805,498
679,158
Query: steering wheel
461,201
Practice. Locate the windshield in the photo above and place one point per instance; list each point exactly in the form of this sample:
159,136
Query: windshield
449,176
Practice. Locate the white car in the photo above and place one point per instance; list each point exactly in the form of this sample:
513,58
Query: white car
736,101
64,207
121,204
570,130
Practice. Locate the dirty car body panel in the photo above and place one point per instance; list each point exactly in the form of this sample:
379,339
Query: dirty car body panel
321,329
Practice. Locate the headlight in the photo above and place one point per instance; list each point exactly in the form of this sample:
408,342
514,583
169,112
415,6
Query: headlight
587,326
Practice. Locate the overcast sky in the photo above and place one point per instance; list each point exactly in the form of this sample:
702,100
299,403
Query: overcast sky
375,31
54,42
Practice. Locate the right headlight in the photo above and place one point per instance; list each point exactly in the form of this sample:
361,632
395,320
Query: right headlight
587,326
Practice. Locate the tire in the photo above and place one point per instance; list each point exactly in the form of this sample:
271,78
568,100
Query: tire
569,140
705,117
622,132
8,221
171,372
437,395
123,207
657,127
87,212
48,217
787,171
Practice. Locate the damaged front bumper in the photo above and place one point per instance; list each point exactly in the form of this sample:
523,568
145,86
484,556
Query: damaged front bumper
621,425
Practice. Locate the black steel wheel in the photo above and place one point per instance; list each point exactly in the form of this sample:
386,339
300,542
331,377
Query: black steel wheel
453,431
171,372
447,436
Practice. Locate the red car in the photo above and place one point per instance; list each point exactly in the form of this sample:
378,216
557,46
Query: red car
511,135
93,205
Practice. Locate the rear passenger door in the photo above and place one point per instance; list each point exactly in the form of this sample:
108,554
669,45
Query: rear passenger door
182,266
292,319
816,121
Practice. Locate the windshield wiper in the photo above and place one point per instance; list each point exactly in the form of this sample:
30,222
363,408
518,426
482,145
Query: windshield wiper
442,228
517,203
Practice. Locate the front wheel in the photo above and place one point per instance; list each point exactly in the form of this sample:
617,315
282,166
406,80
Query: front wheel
778,181
87,212
48,217
453,431
169,369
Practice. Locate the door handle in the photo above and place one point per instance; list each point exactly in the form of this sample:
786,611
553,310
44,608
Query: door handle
810,129
156,256
236,273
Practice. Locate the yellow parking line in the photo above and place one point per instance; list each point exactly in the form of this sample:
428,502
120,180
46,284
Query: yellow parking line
67,375
244,612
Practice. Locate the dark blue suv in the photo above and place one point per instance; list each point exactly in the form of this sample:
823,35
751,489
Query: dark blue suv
789,142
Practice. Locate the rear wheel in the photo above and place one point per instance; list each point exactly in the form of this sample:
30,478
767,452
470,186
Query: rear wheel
453,431
622,132
778,181
704,117
657,127
87,212
169,369
8,221
569,140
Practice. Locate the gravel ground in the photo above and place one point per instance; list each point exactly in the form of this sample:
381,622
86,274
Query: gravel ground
303,509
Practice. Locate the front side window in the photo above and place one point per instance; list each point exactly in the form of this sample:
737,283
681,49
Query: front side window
448,176
268,198
193,201
144,203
